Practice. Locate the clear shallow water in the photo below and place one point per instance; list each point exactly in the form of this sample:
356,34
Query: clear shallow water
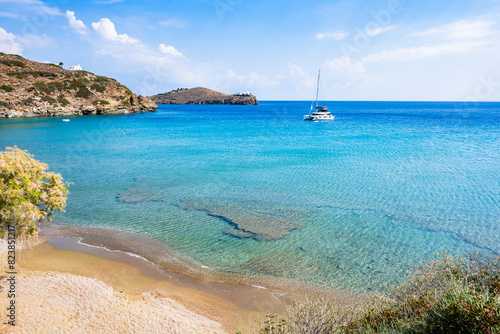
255,190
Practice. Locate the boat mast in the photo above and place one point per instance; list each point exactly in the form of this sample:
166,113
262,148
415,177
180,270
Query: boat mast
317,88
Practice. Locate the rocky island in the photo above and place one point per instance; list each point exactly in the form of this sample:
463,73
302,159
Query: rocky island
33,89
200,95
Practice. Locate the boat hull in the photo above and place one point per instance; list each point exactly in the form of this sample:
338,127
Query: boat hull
318,117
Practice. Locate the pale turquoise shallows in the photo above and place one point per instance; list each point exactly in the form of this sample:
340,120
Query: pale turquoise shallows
256,190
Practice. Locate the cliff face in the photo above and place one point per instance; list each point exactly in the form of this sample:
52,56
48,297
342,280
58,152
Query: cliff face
200,95
32,89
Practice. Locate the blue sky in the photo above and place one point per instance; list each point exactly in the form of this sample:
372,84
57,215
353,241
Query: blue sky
367,50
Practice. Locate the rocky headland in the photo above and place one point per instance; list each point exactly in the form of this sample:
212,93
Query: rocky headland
200,95
33,89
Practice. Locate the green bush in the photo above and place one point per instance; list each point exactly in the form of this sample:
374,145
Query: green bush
28,101
98,88
48,99
100,79
100,102
6,88
83,92
9,63
41,87
49,88
62,101
19,75
3,104
448,295
75,84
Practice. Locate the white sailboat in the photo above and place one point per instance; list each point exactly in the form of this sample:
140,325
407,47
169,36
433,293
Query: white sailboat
321,113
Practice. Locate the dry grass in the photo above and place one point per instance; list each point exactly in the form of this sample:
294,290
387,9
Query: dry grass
447,295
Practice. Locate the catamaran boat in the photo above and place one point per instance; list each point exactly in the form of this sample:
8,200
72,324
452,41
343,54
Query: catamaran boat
321,113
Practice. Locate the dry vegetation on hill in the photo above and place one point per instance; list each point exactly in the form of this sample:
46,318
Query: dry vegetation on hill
200,95
30,89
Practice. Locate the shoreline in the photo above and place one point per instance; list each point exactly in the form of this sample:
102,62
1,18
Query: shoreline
174,264
74,256
68,291
245,297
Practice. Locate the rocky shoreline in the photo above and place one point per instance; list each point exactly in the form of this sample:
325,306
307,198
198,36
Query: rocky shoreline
33,89
201,95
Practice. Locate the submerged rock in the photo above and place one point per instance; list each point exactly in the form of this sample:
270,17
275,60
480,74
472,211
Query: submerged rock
132,197
250,220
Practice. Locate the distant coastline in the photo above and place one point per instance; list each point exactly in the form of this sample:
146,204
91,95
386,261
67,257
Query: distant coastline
201,95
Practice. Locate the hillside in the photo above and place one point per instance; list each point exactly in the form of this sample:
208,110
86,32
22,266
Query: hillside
200,95
32,89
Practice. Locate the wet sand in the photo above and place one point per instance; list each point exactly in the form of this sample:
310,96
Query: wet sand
47,272
83,280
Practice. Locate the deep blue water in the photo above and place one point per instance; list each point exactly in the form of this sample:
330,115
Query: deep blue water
256,190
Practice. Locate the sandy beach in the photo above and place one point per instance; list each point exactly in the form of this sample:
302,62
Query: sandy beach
65,291
96,280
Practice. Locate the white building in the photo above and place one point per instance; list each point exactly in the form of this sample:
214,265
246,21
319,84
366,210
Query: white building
244,94
75,68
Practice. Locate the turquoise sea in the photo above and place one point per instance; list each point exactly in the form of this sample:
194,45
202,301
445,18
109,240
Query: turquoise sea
255,190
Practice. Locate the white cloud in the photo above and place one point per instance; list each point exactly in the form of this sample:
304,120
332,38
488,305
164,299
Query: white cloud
9,43
107,2
299,77
455,38
28,10
9,15
77,25
295,70
462,30
345,65
22,2
173,23
107,30
169,50
150,69
153,69
35,41
232,82
405,54
332,35
378,30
